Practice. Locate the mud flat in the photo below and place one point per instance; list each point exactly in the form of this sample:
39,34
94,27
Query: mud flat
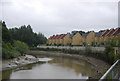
21,61
100,66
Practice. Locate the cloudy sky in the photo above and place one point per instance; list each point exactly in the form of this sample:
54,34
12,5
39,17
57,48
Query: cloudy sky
60,16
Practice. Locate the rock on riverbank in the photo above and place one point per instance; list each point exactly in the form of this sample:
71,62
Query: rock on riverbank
20,61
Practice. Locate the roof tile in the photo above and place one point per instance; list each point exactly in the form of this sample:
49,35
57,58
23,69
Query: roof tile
105,33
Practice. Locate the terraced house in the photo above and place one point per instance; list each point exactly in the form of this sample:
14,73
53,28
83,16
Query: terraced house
89,38
77,39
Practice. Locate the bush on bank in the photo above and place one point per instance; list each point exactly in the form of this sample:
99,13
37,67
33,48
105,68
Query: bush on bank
21,47
13,50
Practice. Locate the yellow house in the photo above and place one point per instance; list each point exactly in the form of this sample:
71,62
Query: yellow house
77,39
108,35
102,37
66,39
61,38
115,34
53,40
97,37
90,37
49,41
58,39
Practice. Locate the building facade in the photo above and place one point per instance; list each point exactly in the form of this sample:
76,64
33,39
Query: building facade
77,39
89,38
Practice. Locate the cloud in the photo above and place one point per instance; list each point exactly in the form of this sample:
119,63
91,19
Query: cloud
60,16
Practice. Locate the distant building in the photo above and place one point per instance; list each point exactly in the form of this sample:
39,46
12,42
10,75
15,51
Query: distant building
77,39
100,37
97,37
90,37
67,39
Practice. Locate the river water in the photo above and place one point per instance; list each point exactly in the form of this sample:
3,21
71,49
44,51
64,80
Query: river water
57,68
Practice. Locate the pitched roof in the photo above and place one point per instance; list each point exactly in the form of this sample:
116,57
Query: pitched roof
51,37
105,32
56,37
98,34
110,32
85,34
117,31
59,36
71,35
62,36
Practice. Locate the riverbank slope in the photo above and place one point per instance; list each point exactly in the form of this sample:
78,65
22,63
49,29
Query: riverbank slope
100,66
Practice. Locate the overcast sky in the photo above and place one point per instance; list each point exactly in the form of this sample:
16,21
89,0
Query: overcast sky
60,16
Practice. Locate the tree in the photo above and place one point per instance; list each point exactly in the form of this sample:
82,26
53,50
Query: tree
81,32
39,39
74,32
114,42
26,34
5,33
8,51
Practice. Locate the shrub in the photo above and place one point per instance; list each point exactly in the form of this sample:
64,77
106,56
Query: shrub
113,42
21,47
84,43
93,44
108,48
77,45
88,50
107,55
8,51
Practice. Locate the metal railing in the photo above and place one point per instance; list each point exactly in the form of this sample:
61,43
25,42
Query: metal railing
111,71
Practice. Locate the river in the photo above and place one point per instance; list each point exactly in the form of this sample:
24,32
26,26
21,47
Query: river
57,68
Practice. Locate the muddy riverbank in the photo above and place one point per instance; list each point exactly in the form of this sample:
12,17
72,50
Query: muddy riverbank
100,66
18,62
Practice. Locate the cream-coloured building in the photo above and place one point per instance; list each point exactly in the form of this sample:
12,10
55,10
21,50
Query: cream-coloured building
67,39
77,39
88,38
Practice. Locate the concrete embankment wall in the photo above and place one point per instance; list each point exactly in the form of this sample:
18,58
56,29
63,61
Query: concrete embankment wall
74,48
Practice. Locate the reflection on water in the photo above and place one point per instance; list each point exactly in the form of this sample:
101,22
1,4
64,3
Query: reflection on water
58,68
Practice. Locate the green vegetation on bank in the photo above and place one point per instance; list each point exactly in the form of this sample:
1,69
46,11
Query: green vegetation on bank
16,49
16,41
107,55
